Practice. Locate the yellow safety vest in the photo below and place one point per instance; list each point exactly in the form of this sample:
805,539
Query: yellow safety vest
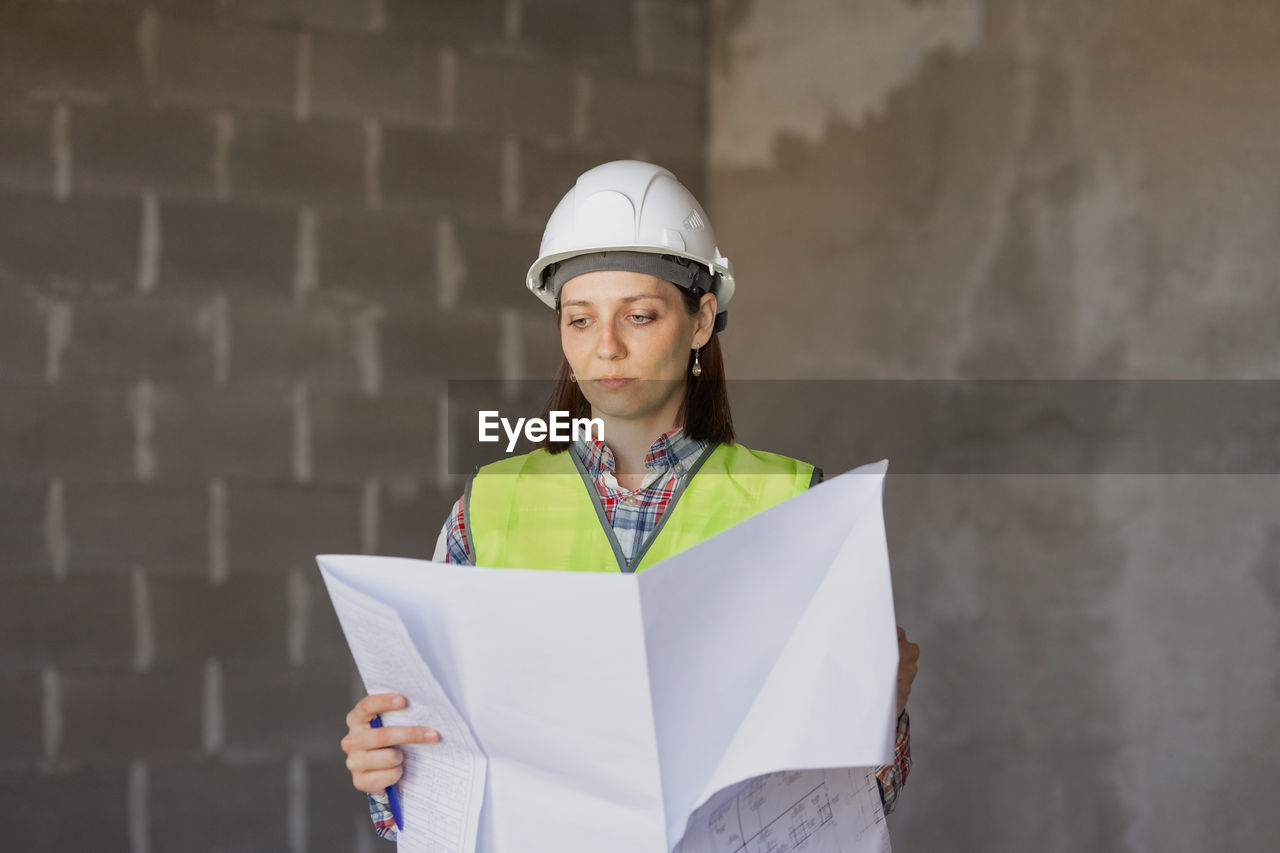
540,510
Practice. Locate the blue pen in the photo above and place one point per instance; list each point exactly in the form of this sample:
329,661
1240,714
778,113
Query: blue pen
393,799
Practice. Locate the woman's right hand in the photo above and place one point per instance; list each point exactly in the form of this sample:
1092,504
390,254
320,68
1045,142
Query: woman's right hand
372,757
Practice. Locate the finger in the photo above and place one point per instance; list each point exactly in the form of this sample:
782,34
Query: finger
366,739
910,652
902,635
374,759
372,705
376,781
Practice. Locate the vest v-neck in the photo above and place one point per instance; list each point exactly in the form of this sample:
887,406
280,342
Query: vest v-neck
588,483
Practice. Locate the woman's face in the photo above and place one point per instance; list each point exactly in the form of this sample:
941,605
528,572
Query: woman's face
618,327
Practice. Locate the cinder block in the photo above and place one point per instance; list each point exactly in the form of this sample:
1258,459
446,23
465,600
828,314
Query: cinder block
48,432
280,342
59,809
378,252
671,36
462,25
23,546
426,347
234,432
221,805
123,150
411,517
161,527
128,337
276,527
228,245
326,644
23,342
26,161
692,172
76,622
70,48
526,98
497,259
370,76
334,14
94,240
23,741
298,710
549,170
121,714
356,437
225,64
287,15
600,33
665,117
336,810
284,12
454,172
317,162
242,618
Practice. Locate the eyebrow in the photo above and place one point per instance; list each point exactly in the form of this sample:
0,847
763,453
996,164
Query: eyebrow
635,298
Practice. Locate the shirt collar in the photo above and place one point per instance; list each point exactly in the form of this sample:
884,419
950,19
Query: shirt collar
672,449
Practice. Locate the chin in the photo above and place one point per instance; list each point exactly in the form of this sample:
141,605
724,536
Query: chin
617,406
615,409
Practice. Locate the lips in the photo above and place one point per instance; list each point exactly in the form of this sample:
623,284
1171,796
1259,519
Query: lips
613,381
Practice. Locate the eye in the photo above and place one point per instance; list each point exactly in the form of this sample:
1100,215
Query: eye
642,319
578,322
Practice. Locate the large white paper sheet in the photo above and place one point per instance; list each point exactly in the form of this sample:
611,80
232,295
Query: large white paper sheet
547,669
442,784
612,707
773,646
835,810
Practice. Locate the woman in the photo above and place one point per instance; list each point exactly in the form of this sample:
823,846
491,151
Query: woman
631,267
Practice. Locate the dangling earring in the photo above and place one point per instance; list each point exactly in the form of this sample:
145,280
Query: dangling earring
697,368
572,378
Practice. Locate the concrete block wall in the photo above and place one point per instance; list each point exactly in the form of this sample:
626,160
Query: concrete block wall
243,246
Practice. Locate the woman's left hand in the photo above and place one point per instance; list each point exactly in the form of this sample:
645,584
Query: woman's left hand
908,654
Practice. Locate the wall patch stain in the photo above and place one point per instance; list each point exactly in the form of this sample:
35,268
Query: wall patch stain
855,55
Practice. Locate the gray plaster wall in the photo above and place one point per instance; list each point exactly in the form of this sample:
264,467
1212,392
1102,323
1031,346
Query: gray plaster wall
1017,189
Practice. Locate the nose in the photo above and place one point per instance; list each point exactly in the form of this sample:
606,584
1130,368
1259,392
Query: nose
609,344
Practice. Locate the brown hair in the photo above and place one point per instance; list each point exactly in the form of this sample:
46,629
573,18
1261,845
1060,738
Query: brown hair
704,411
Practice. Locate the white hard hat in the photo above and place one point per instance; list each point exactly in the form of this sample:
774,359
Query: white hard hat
628,206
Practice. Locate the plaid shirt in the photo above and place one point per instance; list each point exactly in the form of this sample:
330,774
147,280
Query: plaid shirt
633,516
